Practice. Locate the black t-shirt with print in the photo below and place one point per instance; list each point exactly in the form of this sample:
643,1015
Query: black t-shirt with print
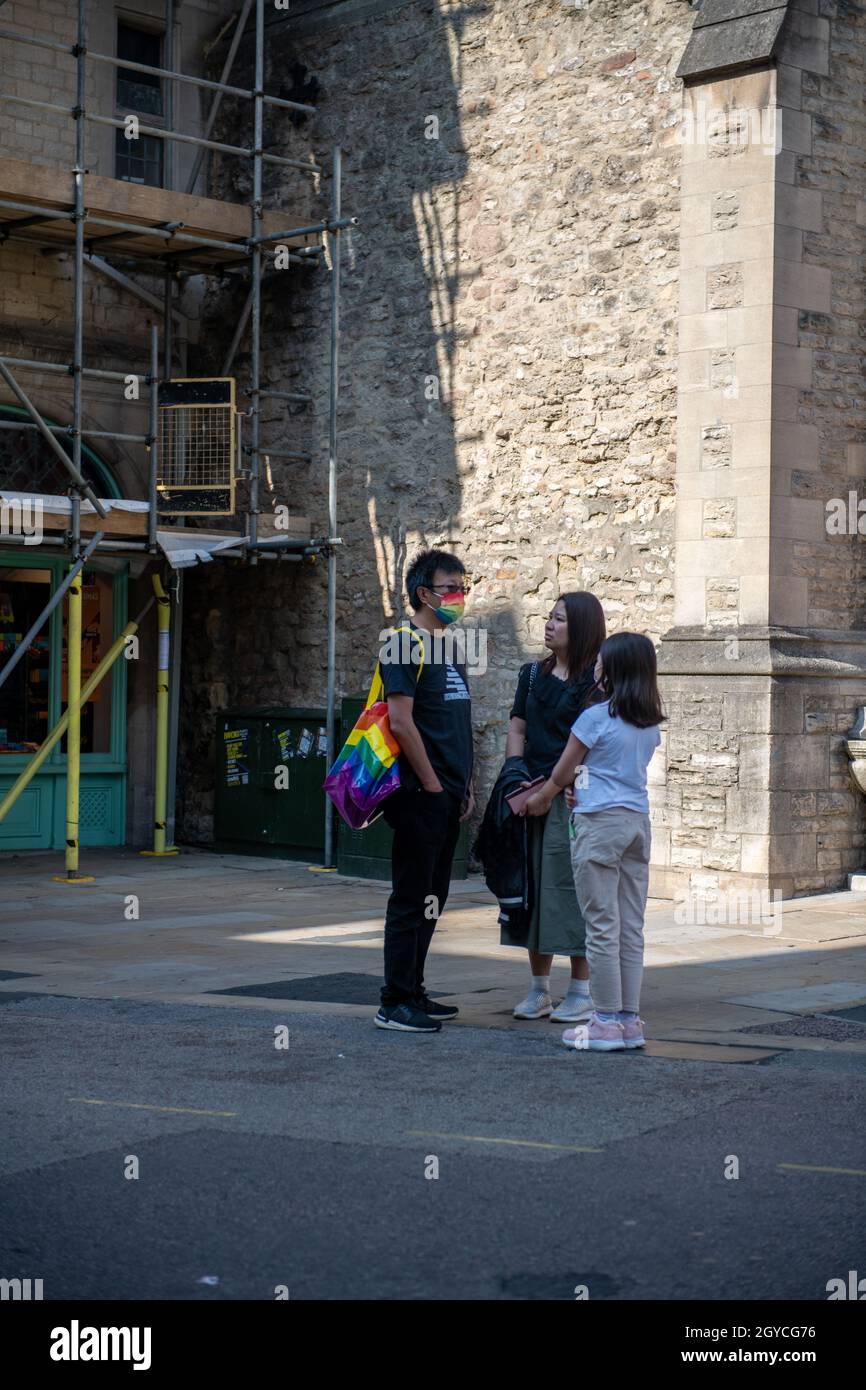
442,708
550,708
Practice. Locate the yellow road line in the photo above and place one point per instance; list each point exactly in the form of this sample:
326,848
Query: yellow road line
486,1139
815,1168
163,1109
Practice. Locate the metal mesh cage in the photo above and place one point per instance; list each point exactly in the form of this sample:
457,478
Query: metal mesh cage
196,456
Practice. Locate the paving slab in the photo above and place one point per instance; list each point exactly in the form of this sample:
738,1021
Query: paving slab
210,922
806,999
786,1042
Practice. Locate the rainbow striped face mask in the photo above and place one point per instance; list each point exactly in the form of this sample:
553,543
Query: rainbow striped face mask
451,608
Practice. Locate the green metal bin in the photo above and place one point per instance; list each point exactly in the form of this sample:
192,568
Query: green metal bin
258,751
367,853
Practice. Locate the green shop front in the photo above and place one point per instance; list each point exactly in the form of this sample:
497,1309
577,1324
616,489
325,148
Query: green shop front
34,696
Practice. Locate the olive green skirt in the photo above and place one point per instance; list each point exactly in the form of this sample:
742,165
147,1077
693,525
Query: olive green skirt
556,927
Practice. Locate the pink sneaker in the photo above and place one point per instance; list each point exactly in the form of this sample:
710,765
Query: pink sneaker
632,1033
595,1036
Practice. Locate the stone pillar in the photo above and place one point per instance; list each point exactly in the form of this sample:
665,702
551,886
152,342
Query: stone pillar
766,663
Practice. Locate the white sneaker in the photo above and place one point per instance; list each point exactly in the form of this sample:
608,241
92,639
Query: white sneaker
575,1008
537,1004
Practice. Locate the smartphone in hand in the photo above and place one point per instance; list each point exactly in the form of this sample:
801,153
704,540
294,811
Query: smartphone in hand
517,800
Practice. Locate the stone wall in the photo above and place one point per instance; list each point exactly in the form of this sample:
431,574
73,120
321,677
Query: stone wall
508,381
36,290
831,170
766,665
754,789
41,74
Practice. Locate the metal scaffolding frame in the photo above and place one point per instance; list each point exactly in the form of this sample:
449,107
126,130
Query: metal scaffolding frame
250,255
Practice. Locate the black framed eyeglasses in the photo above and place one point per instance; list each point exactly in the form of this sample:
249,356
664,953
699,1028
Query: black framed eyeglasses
462,588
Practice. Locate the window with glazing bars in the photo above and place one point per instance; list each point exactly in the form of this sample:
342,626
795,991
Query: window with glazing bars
138,160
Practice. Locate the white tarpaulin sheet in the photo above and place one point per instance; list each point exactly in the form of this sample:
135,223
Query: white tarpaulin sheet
49,503
186,547
182,546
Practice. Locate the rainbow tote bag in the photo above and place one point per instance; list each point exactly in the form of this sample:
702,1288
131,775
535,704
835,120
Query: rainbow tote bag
367,769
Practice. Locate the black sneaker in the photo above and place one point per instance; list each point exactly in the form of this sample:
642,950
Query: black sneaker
444,1012
406,1018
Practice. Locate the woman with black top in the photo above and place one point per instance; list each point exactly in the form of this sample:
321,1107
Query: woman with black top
550,696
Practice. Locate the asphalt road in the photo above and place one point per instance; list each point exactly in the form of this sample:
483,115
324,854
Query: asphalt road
556,1169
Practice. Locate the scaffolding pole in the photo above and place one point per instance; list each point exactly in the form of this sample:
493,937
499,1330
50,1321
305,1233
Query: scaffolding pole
61,454
111,273
49,608
242,322
250,252
74,604
153,437
333,224
168,160
336,212
174,675
238,550
73,734
291,454
39,757
220,87
160,133
78,269
221,90
240,329
32,365
252,528
171,232
301,397
167,336
163,613
67,430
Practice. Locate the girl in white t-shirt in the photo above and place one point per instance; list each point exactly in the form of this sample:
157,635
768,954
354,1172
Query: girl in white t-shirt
606,757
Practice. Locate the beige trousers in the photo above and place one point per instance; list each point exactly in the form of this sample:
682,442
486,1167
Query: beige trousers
610,859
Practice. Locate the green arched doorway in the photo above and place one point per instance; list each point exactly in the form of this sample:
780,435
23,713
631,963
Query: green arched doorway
33,698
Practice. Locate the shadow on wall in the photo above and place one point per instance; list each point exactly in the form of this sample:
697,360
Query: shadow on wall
388,93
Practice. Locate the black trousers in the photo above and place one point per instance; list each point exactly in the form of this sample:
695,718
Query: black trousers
426,826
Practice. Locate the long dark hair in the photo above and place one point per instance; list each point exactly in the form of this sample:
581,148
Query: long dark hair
630,679
586,632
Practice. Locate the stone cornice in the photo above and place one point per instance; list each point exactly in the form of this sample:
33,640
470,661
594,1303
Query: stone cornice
764,651
731,35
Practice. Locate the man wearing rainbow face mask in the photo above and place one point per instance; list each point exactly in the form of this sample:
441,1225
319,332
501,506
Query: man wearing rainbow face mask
429,711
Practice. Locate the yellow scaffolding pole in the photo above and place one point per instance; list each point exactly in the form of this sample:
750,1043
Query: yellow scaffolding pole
39,757
160,803
73,740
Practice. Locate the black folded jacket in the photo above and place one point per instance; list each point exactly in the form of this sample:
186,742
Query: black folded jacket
502,845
